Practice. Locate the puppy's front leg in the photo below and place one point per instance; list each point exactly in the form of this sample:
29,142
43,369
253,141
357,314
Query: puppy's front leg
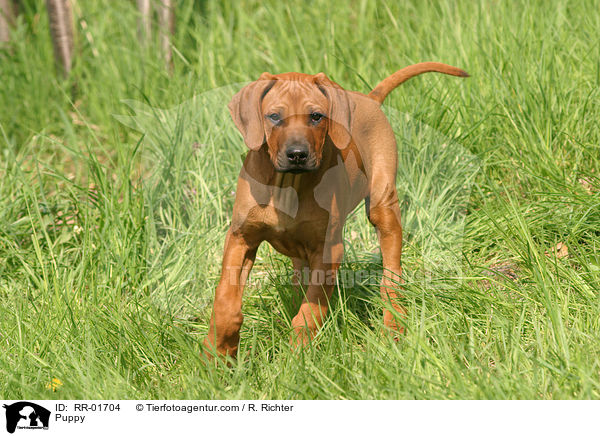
226,320
299,279
314,307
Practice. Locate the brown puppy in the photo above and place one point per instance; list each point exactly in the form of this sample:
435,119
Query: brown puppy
316,151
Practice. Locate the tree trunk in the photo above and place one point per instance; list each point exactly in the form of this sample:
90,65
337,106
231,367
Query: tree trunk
61,30
7,19
166,24
145,21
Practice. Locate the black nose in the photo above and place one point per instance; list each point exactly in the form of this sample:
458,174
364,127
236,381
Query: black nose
297,155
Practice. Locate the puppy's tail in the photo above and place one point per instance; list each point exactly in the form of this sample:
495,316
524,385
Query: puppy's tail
381,91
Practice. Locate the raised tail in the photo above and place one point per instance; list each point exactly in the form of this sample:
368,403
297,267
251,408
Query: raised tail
381,91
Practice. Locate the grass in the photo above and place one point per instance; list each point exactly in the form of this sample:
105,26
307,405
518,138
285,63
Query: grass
116,191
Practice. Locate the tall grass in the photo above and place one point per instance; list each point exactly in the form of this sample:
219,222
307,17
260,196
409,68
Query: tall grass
116,189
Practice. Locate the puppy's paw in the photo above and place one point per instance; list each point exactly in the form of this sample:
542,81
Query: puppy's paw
393,324
302,337
212,354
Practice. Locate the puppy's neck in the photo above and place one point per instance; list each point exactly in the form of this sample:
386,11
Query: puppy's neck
285,180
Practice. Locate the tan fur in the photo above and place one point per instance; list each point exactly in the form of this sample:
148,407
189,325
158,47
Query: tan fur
352,156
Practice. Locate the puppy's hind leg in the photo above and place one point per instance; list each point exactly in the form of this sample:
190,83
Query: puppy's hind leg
384,214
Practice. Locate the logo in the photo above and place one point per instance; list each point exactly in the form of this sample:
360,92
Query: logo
26,415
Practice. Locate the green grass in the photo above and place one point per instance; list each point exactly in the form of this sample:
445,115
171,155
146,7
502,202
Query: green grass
116,192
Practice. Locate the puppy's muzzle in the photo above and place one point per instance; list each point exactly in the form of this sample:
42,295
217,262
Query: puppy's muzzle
296,158
297,154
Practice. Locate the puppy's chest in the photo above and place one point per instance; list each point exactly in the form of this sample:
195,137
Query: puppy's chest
305,223
292,235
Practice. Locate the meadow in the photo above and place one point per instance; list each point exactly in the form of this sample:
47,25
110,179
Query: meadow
117,185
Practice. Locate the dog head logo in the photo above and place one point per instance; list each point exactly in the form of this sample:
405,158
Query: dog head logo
26,415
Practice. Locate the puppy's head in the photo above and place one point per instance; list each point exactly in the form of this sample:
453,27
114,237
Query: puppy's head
293,114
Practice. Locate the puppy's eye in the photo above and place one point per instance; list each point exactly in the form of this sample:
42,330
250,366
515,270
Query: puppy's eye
315,117
275,118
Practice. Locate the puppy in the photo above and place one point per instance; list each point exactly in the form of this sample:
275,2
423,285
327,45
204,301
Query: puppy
315,152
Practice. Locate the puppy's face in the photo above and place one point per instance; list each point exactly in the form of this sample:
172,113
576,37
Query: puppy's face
295,125
292,115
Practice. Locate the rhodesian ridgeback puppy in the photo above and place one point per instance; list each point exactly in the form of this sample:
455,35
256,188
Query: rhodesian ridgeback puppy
316,151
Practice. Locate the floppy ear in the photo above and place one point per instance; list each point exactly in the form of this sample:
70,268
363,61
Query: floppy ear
244,108
341,108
